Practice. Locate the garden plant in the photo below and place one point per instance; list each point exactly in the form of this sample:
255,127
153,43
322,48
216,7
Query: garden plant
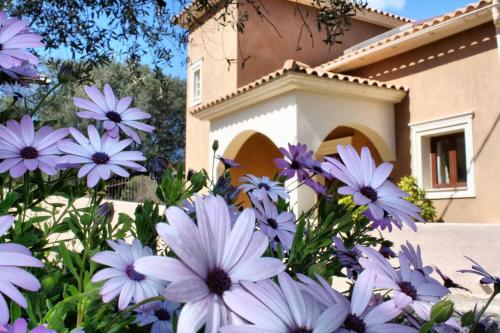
201,261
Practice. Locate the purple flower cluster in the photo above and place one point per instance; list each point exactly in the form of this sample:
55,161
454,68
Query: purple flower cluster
99,156
298,161
115,113
213,258
369,185
122,280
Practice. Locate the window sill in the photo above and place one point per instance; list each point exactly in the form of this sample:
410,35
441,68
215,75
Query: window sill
450,193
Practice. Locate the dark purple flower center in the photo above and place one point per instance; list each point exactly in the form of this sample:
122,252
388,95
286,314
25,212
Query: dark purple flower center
408,289
295,165
272,223
354,323
162,315
301,330
29,153
369,192
218,281
100,158
264,186
133,274
114,116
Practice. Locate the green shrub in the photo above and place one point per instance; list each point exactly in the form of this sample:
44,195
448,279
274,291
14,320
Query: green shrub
418,197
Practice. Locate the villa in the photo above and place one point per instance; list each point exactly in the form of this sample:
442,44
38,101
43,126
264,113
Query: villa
422,95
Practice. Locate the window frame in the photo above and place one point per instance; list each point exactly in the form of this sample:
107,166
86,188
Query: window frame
421,157
195,66
452,156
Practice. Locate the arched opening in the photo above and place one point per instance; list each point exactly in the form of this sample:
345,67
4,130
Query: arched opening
347,135
256,156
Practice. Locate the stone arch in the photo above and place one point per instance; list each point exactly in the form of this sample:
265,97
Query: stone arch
350,135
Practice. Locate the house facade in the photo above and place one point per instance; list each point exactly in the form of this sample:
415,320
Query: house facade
422,95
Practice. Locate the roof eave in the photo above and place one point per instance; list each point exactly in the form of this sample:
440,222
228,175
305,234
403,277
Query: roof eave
413,41
292,81
188,16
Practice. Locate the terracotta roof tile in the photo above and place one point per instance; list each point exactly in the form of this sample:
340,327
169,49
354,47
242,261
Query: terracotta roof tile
414,29
297,67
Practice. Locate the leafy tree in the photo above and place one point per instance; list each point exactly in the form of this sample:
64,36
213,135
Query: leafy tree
159,95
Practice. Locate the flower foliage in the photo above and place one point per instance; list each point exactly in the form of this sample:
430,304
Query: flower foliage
219,255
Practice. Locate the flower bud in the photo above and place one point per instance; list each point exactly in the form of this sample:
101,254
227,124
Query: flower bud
198,180
215,145
66,73
442,311
106,211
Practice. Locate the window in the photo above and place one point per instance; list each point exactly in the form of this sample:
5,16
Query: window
448,161
196,80
442,157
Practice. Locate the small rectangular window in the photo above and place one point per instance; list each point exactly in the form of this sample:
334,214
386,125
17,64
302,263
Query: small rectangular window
448,160
196,80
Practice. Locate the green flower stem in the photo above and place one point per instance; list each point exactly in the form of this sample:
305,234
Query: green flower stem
483,310
40,104
132,308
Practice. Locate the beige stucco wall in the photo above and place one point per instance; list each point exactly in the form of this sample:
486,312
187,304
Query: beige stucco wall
456,75
268,45
214,44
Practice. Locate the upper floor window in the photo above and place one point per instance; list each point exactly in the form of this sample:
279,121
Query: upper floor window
196,81
448,162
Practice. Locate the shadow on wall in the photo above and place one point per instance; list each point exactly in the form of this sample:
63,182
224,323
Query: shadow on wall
467,44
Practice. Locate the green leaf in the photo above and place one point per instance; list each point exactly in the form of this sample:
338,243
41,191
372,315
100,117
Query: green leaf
67,260
427,327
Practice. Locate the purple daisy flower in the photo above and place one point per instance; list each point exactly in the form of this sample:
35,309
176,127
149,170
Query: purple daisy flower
348,258
261,187
100,156
296,161
23,149
21,326
13,256
414,257
213,257
21,73
368,185
6,222
228,164
280,227
160,314
384,223
315,186
115,113
122,278
359,317
487,278
410,287
285,309
15,37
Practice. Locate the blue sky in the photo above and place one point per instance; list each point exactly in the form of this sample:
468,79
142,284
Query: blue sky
419,9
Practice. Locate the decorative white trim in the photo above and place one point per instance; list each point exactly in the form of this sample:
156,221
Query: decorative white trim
420,153
197,65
